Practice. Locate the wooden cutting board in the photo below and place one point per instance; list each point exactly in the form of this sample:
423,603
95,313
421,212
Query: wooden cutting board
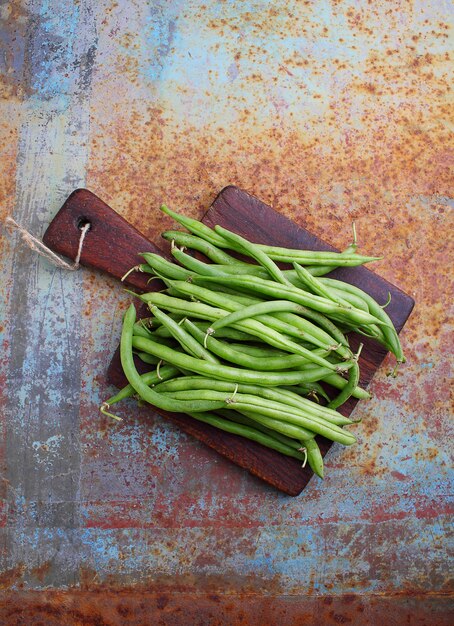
112,245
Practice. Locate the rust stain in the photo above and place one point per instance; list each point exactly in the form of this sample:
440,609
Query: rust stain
10,576
107,609
14,17
40,572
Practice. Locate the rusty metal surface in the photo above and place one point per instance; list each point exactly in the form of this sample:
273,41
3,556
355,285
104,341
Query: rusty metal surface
329,111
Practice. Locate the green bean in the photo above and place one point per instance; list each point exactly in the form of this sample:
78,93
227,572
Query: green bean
140,330
268,408
134,379
291,401
165,268
310,257
255,252
317,287
300,329
196,227
248,432
316,323
147,358
257,270
316,270
252,326
149,378
263,351
247,421
290,430
182,307
194,265
228,264
323,322
351,298
214,253
225,372
339,383
187,341
179,288
150,323
320,336
371,330
324,330
314,456
388,329
255,310
304,257
159,336
294,294
226,352
272,419
237,267
228,333
352,383
213,269
309,390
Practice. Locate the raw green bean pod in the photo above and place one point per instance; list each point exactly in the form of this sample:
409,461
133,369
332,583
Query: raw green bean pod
185,339
141,330
317,287
291,427
196,228
335,380
294,294
165,268
351,298
309,390
235,303
286,428
225,372
254,327
230,265
276,395
304,257
215,254
228,333
269,408
255,310
249,432
242,419
237,356
147,358
134,379
294,326
255,252
352,383
314,456
149,378
387,326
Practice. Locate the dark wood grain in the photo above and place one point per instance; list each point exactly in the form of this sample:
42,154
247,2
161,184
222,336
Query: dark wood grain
111,245
242,213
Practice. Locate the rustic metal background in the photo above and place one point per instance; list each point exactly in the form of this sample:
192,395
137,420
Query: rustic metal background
331,112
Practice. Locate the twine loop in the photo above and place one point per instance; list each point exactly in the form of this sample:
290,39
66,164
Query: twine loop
37,246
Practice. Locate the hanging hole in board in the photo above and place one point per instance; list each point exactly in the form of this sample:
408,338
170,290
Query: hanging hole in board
82,222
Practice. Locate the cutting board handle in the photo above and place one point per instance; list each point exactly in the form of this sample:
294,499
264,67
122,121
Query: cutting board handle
111,245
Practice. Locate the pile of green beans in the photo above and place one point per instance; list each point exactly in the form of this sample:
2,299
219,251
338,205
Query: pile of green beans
248,347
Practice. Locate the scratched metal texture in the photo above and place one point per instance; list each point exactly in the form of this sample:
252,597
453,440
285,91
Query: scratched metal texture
331,112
